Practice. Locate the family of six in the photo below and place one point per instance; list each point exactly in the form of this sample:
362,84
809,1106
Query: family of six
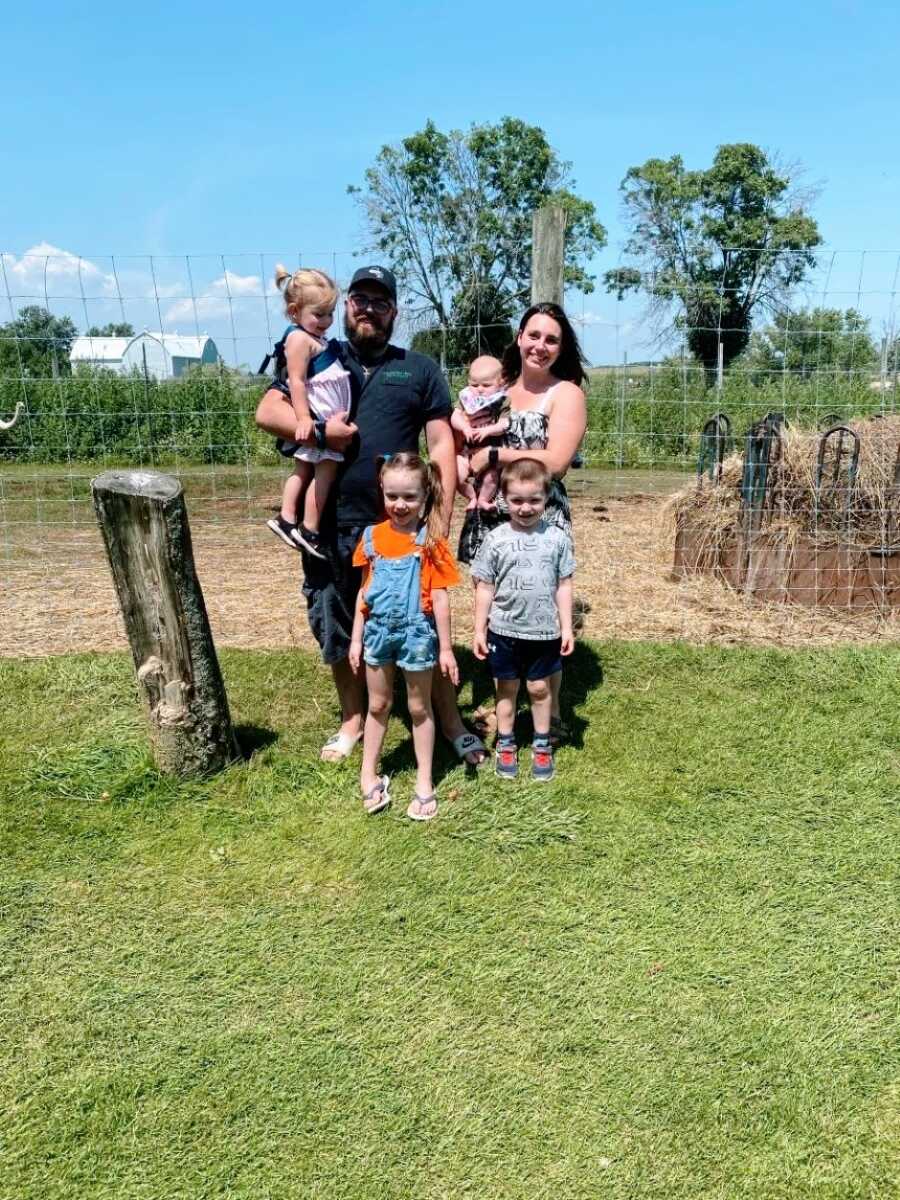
371,518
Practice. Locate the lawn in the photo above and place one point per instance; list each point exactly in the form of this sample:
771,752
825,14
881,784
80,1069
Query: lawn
671,973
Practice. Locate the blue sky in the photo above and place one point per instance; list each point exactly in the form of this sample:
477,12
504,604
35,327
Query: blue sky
227,130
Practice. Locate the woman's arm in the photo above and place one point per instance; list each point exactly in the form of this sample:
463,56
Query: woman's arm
446,658
565,429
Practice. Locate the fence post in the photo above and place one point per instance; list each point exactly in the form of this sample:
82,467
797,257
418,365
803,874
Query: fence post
143,519
548,235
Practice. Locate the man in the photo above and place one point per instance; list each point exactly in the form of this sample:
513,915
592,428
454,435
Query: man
396,395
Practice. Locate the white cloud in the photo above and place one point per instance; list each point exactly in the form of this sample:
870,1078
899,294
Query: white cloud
47,270
214,301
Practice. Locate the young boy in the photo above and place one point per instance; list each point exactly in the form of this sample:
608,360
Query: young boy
523,611
477,422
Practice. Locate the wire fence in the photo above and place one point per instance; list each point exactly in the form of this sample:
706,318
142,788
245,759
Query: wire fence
112,361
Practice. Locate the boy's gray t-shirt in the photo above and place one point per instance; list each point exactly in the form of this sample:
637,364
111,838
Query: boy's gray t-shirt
525,569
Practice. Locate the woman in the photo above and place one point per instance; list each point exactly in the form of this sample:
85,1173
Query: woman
547,419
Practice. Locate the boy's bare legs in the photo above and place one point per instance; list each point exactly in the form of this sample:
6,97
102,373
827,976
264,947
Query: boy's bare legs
380,684
539,695
351,691
324,475
418,698
507,694
555,682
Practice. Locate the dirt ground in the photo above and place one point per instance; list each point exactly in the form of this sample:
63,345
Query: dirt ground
59,600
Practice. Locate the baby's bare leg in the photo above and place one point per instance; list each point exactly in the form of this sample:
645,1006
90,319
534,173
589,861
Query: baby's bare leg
317,495
488,487
463,485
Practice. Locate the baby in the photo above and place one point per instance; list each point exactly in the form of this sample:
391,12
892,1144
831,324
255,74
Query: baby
477,422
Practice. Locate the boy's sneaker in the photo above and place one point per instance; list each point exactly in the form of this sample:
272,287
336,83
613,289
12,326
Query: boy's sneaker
542,766
310,541
284,529
506,760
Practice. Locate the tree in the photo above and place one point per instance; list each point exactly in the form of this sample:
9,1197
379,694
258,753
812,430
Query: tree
452,212
717,245
808,341
36,344
112,329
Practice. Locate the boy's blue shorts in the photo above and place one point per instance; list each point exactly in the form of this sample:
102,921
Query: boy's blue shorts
519,658
412,644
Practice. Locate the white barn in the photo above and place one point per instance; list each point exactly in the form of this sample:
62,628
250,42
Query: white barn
162,355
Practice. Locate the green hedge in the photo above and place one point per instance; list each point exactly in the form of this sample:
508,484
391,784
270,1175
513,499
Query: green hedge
206,415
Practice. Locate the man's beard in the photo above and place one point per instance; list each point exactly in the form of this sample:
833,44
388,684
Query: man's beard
369,345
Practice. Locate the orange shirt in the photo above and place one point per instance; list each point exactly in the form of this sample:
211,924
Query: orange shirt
439,569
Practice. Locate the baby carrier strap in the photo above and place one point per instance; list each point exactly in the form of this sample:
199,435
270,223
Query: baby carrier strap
277,353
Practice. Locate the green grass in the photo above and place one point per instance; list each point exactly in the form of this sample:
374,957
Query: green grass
672,973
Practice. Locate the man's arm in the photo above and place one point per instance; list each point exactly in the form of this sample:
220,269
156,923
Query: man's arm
442,452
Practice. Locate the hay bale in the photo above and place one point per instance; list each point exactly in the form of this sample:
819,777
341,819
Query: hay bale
829,548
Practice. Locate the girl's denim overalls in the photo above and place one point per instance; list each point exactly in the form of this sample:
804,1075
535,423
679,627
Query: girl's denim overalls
396,630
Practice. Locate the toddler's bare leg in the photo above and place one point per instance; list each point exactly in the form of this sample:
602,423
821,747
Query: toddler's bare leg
380,684
297,483
487,488
507,694
317,496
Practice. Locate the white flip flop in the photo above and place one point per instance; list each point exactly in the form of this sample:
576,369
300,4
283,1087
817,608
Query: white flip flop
341,745
467,743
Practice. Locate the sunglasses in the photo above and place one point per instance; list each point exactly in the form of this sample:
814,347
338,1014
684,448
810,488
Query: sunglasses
361,303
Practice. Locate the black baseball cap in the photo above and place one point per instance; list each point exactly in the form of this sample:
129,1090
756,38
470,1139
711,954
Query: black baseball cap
380,275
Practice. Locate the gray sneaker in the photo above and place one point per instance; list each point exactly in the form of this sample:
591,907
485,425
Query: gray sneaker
506,760
542,766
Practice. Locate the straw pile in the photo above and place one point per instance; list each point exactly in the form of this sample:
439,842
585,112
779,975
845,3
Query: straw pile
864,516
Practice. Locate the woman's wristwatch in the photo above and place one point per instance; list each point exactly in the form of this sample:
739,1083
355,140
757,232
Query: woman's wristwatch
319,431
493,457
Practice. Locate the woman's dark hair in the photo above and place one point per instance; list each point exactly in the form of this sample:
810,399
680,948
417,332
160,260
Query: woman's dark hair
568,365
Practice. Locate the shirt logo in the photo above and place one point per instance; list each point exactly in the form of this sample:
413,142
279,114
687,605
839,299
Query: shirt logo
396,376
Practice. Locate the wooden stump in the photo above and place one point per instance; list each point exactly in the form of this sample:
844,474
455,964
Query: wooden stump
143,519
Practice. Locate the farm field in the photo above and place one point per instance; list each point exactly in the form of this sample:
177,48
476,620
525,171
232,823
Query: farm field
56,594
672,973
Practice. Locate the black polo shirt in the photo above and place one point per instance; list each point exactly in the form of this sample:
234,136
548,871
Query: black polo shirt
391,406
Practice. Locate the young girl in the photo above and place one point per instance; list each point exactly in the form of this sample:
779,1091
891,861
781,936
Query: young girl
403,620
310,374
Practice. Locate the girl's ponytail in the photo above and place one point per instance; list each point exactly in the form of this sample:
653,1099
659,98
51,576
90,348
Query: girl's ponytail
434,505
281,274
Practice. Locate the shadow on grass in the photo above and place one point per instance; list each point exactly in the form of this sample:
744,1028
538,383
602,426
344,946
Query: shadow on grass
582,673
251,738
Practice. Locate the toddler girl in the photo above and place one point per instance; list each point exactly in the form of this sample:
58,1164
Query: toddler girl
477,422
403,620
313,379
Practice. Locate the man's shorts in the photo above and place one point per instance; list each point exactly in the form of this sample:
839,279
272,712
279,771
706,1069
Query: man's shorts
412,645
519,658
330,588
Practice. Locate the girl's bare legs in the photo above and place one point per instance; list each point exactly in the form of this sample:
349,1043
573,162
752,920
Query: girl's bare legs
297,482
275,415
380,683
317,495
507,694
463,486
487,489
418,699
